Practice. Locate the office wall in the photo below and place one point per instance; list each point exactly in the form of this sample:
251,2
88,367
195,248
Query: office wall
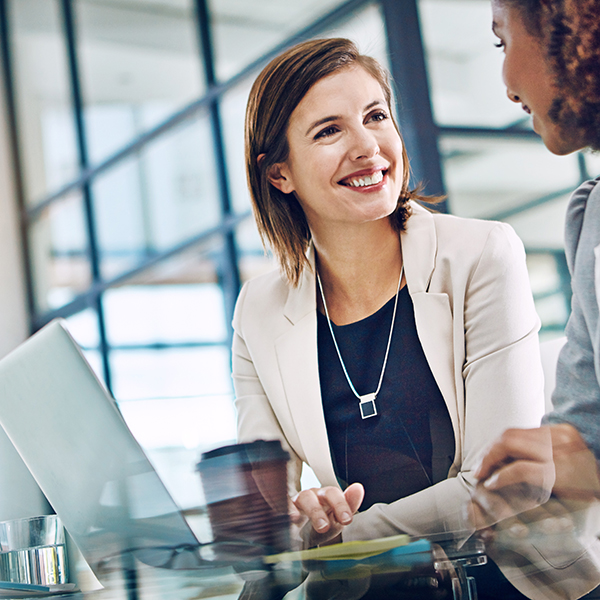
20,495
13,311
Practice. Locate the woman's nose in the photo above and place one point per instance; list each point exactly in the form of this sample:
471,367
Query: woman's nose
512,96
364,145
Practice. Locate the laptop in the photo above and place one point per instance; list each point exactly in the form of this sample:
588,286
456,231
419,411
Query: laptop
72,437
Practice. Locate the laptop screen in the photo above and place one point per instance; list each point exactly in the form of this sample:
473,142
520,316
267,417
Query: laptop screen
73,439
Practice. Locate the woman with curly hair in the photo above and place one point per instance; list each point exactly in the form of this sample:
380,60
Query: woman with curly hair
552,68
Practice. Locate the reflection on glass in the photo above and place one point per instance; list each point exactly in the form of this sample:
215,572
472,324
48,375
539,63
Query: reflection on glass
139,63
184,432
46,126
244,30
487,176
59,260
158,199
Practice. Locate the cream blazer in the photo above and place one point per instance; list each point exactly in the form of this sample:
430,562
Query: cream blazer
477,324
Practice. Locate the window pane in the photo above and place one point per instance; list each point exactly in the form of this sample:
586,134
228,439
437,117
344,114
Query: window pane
139,62
154,201
244,30
464,66
59,260
43,97
253,261
167,328
592,161
233,109
550,285
486,177
366,29
165,314
542,227
170,372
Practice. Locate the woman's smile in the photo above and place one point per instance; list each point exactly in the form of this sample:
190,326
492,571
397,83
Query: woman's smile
367,179
345,155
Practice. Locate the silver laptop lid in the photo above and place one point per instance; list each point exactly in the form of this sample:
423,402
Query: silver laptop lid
73,439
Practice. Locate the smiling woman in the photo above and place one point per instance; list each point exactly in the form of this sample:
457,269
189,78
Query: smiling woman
386,350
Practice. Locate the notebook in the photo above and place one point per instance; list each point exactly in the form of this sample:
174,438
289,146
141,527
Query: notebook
72,437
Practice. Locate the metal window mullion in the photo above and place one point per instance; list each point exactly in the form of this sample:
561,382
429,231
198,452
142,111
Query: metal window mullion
409,72
82,147
231,280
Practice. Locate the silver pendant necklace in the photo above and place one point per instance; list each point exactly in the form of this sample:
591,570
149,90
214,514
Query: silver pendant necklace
366,402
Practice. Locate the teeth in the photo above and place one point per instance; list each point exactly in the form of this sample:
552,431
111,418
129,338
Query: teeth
369,180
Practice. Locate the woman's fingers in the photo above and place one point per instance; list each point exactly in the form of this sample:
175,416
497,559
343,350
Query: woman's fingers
323,506
516,474
533,445
328,505
527,483
354,495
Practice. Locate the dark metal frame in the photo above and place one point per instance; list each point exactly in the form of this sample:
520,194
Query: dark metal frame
409,72
420,132
70,31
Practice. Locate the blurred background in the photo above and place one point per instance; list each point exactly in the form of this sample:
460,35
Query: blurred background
123,193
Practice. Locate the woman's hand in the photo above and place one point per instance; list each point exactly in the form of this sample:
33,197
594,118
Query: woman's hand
328,510
516,474
525,466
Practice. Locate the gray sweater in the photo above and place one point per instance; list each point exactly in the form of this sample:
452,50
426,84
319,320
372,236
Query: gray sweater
576,398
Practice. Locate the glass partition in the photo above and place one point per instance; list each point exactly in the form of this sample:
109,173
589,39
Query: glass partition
257,26
158,198
464,66
139,63
45,120
60,262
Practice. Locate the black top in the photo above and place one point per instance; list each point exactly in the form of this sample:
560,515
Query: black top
392,454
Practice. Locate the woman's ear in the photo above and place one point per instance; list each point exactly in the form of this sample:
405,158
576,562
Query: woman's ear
280,177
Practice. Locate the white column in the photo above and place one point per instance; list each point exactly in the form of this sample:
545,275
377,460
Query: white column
20,495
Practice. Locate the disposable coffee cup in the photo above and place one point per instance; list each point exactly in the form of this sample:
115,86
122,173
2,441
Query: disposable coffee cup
245,486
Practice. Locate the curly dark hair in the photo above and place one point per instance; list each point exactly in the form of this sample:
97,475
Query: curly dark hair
571,31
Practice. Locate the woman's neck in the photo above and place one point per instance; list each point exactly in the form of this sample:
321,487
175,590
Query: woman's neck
359,270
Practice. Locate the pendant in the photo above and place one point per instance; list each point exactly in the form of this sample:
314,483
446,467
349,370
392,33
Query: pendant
367,406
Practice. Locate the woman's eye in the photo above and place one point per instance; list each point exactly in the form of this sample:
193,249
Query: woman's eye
378,116
326,132
500,44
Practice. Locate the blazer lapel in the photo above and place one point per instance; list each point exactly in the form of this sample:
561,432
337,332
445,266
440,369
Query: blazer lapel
433,315
299,368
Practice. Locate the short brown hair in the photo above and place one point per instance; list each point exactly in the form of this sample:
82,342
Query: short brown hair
277,91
